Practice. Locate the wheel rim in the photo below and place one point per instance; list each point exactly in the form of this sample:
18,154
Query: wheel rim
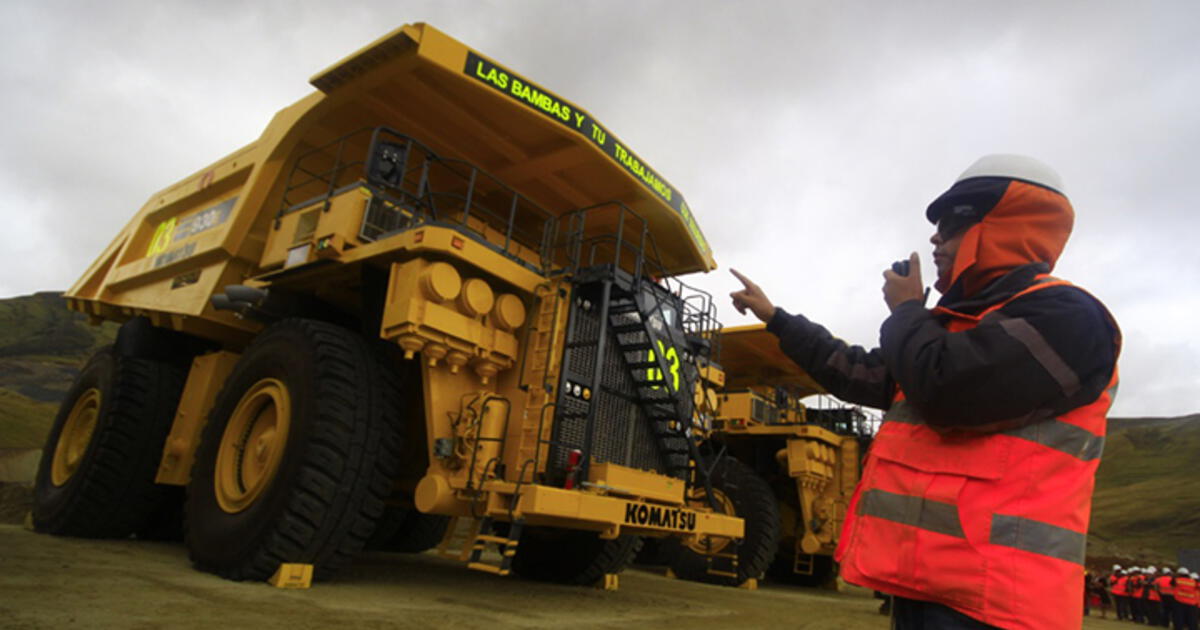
705,545
253,445
75,436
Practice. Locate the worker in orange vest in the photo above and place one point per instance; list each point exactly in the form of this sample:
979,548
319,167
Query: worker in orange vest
1187,600
1120,592
1153,600
1119,586
1164,585
975,497
1137,591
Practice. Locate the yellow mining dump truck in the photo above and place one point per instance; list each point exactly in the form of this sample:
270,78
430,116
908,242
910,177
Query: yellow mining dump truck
432,293
786,468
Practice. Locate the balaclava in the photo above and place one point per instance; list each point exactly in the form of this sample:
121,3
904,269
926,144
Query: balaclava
1014,213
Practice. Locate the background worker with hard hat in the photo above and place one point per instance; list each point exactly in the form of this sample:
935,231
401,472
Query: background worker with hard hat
1137,590
1152,600
1120,592
974,501
1163,584
1187,600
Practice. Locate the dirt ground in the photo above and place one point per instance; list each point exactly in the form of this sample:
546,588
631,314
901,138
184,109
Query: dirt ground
51,582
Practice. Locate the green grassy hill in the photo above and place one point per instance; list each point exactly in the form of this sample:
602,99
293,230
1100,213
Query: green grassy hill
42,347
1147,499
24,422
40,325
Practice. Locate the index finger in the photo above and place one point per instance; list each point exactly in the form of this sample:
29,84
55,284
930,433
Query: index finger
745,281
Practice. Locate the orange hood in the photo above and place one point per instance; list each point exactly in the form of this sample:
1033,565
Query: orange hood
1029,224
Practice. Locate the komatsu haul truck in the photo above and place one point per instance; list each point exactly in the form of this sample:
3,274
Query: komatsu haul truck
434,301
786,467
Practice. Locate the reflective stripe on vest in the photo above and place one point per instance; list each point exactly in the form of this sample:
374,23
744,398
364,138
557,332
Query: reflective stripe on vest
1037,537
1008,531
991,524
1054,433
1186,591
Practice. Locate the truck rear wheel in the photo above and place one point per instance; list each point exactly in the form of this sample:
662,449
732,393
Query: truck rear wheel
297,455
565,556
740,492
96,477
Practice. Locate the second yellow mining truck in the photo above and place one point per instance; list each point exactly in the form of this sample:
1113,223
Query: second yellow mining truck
787,468
432,296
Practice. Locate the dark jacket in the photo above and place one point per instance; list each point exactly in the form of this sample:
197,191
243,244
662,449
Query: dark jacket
1042,354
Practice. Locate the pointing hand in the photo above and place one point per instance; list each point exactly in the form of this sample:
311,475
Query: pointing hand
752,297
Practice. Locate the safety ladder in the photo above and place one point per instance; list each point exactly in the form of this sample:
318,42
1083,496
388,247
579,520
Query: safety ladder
658,371
730,568
468,544
803,563
540,359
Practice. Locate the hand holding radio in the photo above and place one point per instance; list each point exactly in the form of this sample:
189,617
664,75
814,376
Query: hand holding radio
902,282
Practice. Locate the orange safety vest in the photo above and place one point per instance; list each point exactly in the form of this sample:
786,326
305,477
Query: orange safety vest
993,525
1164,585
1186,592
1121,586
1138,587
1151,591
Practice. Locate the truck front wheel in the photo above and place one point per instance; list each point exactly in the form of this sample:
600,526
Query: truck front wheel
740,492
565,556
296,457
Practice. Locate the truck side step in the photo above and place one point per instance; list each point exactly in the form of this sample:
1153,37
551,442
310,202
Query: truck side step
505,545
731,571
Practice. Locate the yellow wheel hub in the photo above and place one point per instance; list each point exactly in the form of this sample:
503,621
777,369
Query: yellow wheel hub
253,445
75,436
712,544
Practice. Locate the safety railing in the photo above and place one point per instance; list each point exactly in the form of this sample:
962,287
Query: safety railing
411,185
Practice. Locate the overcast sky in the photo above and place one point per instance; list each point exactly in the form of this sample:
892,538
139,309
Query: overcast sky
807,136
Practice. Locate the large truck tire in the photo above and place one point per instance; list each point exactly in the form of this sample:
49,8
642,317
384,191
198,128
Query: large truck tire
564,556
406,530
297,455
96,476
740,492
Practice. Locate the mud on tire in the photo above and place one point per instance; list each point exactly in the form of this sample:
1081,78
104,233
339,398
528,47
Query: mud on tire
297,455
751,498
549,554
96,477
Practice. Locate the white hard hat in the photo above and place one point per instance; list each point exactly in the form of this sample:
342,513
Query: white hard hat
1195,576
1116,567
1183,570
1166,570
1151,569
1014,167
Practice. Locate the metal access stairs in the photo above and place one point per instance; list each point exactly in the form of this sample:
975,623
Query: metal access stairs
468,544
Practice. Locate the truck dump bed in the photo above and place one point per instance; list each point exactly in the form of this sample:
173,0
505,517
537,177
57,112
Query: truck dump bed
751,357
213,228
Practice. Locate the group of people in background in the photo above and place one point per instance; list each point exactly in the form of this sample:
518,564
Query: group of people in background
1149,595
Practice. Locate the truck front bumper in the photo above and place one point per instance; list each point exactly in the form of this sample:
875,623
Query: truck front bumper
610,515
